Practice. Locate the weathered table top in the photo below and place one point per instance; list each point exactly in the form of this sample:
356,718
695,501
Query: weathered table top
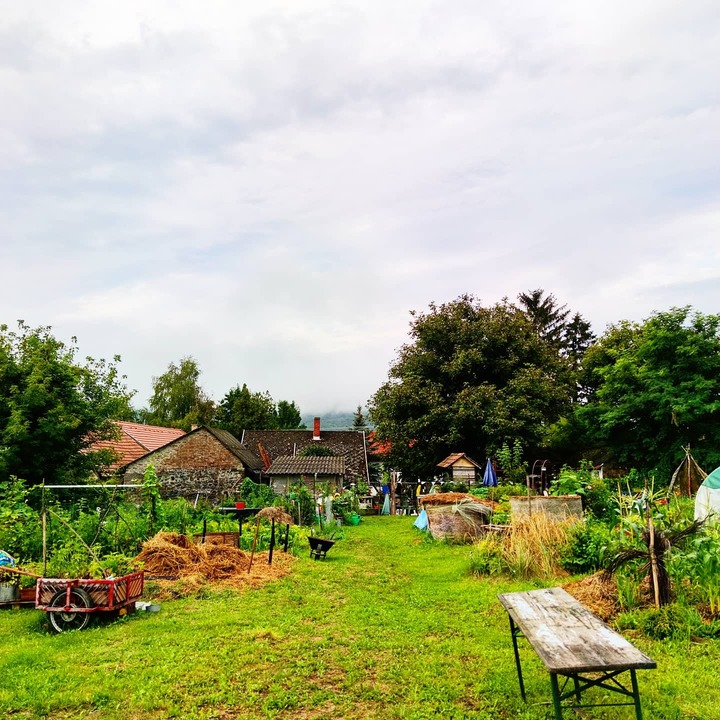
567,636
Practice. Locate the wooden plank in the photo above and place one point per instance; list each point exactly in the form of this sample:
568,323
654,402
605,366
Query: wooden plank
567,636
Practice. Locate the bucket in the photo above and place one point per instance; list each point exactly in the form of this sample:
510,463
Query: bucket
9,592
239,505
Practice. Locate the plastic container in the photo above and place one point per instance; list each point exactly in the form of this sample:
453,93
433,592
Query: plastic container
9,592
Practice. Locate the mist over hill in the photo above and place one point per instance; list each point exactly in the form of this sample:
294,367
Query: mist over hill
333,420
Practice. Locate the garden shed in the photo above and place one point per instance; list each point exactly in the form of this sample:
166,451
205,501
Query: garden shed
461,468
459,516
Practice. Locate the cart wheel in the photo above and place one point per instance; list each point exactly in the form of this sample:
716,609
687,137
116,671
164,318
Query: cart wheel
62,621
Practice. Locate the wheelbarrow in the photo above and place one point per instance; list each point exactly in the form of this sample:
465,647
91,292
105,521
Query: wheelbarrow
70,603
319,547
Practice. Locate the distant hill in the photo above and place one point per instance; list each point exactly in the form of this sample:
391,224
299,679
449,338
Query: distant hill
333,421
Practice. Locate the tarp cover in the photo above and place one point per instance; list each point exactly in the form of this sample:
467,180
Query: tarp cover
422,521
707,500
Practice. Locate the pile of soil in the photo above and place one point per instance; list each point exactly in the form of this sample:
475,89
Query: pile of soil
181,567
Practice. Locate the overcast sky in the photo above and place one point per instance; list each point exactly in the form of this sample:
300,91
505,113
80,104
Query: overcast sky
271,187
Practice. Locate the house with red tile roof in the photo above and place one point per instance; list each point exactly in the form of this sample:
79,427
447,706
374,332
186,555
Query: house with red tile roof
133,440
206,463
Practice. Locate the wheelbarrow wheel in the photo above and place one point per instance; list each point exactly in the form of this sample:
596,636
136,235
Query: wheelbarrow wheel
61,621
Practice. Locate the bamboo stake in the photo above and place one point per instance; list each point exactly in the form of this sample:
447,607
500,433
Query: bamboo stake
44,538
4,568
252,554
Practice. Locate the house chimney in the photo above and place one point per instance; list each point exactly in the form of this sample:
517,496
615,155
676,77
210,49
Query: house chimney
316,428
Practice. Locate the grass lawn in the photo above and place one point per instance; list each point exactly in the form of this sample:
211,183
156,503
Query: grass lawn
389,626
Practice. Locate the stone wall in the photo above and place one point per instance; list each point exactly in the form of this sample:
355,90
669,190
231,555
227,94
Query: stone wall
197,464
559,507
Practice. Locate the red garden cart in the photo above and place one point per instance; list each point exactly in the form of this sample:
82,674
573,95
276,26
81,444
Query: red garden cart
71,603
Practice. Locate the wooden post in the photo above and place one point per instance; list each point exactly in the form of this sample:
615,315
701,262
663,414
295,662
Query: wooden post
392,492
653,562
272,540
287,537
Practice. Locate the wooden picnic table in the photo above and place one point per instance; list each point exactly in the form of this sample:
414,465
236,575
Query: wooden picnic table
575,644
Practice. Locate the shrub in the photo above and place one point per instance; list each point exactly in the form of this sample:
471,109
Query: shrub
486,556
671,622
587,548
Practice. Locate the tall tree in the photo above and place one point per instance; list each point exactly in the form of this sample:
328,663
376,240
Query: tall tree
242,409
178,400
359,419
656,387
52,408
548,317
471,378
288,416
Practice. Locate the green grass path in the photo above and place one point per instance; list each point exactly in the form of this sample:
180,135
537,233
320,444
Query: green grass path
389,626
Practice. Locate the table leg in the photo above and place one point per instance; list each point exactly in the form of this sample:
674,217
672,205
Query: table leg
636,695
556,696
514,633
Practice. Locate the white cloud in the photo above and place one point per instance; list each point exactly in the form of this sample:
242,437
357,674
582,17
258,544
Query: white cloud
271,187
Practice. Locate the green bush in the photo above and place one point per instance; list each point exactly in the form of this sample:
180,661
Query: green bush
486,557
671,622
588,547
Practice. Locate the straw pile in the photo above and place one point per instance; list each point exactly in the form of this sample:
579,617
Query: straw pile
598,593
172,555
182,568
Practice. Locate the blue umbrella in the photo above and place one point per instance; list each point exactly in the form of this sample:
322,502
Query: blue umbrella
490,477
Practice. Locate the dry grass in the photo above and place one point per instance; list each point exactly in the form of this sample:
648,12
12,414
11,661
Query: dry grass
598,593
532,547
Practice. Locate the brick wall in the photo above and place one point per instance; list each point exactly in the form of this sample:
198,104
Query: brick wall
197,463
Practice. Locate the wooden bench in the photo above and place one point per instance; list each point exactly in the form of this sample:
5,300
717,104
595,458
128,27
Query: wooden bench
574,644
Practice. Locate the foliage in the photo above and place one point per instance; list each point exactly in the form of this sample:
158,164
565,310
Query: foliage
696,571
241,409
359,419
151,498
547,317
257,495
52,408
177,399
597,498
470,379
301,504
649,545
20,532
588,546
655,389
346,504
671,622
288,416
511,461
